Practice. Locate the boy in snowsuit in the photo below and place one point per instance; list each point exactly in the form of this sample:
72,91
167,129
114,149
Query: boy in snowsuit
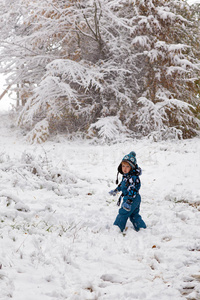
129,186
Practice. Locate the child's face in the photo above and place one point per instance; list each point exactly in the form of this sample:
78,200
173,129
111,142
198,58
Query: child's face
125,167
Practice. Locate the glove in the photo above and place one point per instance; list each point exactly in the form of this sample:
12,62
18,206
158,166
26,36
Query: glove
113,192
127,205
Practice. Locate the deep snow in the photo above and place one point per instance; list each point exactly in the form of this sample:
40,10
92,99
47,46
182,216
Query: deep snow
57,240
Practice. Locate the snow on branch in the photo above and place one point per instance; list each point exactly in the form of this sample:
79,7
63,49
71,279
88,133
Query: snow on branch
155,116
142,40
108,129
56,88
76,72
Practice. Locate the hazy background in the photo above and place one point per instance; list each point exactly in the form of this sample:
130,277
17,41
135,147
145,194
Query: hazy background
5,103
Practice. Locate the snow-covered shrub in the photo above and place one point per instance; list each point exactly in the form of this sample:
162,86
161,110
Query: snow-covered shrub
39,133
109,129
45,171
35,172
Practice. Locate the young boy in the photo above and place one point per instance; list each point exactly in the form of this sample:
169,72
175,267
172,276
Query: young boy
129,186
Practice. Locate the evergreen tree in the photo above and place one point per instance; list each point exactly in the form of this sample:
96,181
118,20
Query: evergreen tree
164,37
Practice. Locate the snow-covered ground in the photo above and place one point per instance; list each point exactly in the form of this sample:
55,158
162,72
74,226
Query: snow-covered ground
56,235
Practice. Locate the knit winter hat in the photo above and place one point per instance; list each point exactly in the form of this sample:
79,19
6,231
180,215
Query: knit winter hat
130,159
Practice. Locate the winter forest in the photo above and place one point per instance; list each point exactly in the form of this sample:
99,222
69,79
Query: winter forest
102,68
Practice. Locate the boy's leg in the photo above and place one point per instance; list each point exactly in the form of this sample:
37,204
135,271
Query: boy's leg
122,218
136,219
123,214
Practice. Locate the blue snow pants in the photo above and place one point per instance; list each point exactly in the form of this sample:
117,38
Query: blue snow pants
133,215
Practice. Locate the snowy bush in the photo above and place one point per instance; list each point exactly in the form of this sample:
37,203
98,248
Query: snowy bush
35,172
109,129
39,133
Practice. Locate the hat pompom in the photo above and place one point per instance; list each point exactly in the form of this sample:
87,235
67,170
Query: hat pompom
132,153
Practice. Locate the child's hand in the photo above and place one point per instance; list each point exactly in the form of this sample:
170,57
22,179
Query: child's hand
113,192
127,205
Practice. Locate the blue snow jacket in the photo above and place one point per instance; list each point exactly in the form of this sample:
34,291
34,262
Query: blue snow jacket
130,184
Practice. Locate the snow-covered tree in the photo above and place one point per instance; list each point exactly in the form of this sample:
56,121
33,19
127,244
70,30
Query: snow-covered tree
195,10
30,40
82,76
163,36
77,61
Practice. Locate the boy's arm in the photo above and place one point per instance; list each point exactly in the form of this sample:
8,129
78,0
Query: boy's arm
118,188
115,191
